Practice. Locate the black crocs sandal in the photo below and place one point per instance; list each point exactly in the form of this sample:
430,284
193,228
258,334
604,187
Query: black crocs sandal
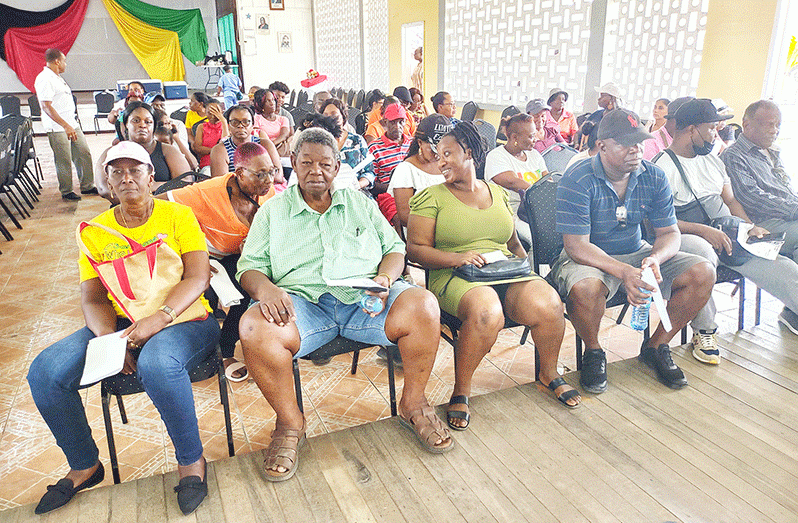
565,396
457,414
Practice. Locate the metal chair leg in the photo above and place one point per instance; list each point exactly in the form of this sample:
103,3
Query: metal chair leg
578,353
622,314
10,215
391,381
122,413
741,313
684,335
758,311
225,399
298,387
355,357
537,364
109,435
525,335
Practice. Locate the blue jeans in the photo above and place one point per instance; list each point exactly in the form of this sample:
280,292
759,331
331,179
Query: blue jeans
162,368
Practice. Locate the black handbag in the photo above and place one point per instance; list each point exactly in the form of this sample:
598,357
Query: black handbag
496,271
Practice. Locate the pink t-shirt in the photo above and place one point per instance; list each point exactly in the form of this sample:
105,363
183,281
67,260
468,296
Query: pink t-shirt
272,128
660,142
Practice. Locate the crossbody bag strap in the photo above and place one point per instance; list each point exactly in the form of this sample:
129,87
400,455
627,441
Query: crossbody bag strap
678,164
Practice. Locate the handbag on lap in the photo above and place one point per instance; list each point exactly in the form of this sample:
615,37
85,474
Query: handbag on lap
496,271
140,281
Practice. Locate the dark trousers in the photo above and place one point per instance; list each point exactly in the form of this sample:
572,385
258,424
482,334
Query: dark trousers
229,336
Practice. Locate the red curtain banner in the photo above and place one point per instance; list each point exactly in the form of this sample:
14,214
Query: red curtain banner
25,47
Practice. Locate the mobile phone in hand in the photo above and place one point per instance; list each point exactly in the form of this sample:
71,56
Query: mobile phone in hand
772,237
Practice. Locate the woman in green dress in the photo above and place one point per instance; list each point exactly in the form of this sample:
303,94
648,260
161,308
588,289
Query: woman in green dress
454,224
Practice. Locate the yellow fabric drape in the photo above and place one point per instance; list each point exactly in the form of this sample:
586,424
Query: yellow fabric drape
158,50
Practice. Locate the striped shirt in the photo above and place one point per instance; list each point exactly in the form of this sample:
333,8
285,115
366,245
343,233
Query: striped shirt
387,155
587,203
298,249
230,147
759,181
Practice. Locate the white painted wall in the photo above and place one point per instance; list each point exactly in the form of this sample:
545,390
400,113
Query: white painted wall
267,64
100,55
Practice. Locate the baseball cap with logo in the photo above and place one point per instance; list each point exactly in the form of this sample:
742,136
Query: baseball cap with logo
698,111
432,128
536,105
128,149
394,112
623,126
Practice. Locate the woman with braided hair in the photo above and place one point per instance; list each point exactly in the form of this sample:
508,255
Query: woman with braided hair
455,223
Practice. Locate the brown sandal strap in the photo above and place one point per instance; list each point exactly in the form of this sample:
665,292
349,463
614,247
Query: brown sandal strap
428,425
283,448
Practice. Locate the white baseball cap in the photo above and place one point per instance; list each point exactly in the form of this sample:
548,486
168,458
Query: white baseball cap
609,88
128,149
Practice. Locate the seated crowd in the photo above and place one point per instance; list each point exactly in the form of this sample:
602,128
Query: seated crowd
361,207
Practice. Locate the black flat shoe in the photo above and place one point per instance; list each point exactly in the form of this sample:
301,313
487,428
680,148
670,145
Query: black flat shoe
62,492
191,491
93,190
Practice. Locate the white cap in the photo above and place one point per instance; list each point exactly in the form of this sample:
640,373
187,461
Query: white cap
128,149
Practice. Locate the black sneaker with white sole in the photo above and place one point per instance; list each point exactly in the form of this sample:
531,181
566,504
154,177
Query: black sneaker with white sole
593,376
660,360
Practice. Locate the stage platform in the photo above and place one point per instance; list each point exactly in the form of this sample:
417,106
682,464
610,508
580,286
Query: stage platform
724,449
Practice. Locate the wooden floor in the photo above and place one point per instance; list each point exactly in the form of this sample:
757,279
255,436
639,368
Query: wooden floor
723,449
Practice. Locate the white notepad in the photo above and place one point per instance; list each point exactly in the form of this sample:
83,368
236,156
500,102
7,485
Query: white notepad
365,284
105,357
223,287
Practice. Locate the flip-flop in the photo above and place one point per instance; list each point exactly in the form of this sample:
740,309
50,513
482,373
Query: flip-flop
457,414
565,396
232,368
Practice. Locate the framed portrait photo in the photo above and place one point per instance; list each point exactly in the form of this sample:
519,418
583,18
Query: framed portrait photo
262,22
285,42
276,5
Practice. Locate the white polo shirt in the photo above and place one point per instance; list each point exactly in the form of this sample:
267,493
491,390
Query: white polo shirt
50,87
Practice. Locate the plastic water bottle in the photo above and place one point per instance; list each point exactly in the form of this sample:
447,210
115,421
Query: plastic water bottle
371,303
639,320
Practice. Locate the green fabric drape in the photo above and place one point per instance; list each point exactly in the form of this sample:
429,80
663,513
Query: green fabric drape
227,35
187,23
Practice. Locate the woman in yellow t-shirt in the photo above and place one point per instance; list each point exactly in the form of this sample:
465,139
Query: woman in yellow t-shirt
160,351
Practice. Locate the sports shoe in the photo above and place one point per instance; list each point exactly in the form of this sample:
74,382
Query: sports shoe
70,196
93,190
789,319
705,347
660,360
593,376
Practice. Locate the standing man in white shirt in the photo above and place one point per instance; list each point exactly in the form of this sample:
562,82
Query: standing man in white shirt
58,118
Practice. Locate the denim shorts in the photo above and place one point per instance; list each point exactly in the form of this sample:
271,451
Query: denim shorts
320,323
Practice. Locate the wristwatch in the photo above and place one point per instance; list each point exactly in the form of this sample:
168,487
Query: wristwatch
170,311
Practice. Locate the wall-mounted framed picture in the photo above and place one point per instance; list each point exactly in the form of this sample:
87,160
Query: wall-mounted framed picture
285,42
262,20
276,5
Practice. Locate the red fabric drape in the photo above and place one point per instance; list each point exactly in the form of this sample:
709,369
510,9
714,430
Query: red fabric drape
25,47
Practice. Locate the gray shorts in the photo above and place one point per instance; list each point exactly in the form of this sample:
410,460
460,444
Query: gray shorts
566,273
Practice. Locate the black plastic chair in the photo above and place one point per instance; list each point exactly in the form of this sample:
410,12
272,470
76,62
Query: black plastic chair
350,97
34,108
292,99
354,112
77,116
359,99
5,166
10,105
105,104
557,157
365,101
181,181
360,123
126,384
469,112
301,98
16,176
510,110
488,134
180,114
342,345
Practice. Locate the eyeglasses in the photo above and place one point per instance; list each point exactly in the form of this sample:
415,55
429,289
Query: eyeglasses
240,123
264,175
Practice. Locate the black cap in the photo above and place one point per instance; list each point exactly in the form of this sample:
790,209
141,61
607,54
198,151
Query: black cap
432,128
403,94
697,111
675,104
623,126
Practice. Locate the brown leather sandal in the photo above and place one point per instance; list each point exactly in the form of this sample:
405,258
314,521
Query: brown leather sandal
283,451
428,428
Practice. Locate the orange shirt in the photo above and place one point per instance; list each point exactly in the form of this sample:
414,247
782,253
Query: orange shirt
377,130
224,232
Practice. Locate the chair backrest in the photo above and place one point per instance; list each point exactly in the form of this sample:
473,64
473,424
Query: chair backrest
540,201
510,110
487,132
10,105
360,123
292,99
180,114
350,98
366,101
354,112
35,108
181,181
358,102
104,101
301,98
469,112
6,156
581,119
298,114
557,157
